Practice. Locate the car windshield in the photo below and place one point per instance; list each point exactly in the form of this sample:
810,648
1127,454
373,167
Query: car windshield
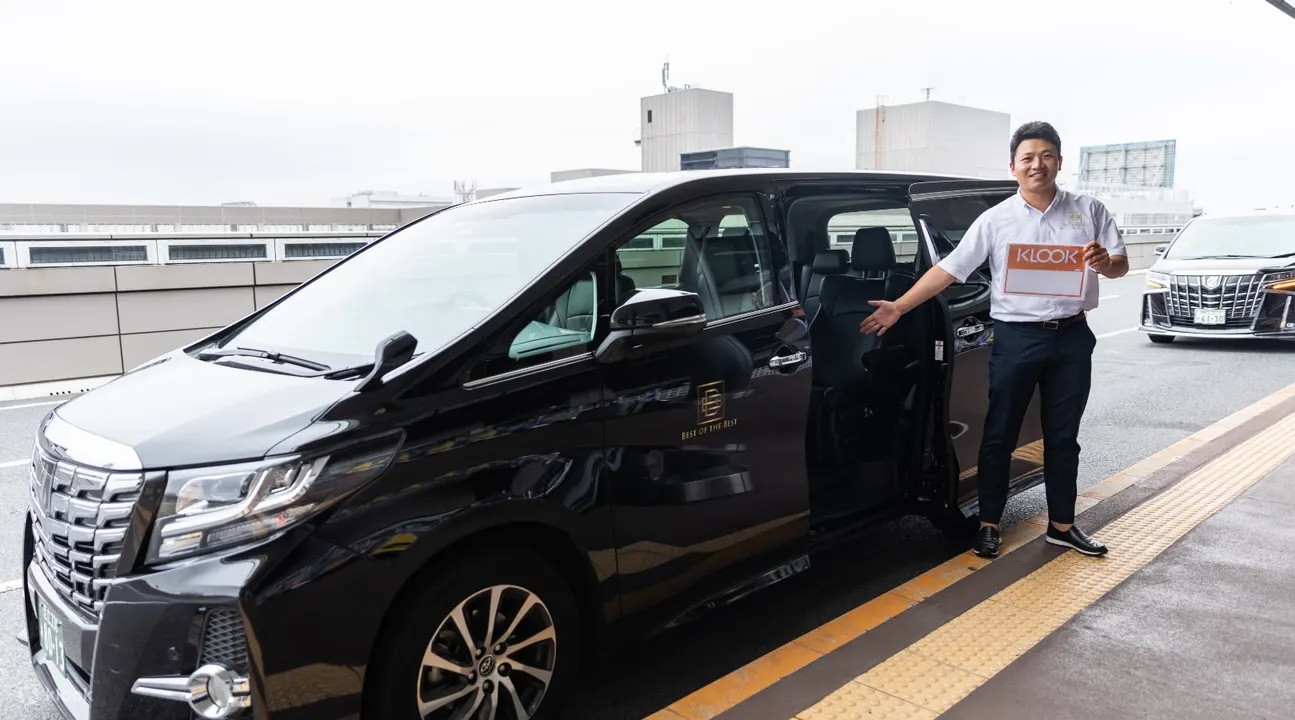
1260,237
434,279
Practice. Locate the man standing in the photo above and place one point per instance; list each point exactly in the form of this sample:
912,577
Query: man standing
1044,246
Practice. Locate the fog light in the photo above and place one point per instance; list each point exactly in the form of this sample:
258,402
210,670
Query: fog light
212,691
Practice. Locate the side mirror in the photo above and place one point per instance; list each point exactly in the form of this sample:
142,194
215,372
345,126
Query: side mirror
391,353
1160,250
651,316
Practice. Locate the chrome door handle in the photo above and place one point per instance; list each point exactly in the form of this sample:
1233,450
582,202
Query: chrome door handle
966,330
785,360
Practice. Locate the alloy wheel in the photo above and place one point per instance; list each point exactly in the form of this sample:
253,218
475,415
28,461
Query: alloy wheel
492,658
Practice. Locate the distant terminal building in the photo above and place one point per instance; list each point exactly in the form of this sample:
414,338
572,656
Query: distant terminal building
59,235
735,157
578,173
1135,180
388,199
1136,164
934,137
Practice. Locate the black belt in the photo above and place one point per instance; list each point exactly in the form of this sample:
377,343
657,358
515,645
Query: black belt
1055,324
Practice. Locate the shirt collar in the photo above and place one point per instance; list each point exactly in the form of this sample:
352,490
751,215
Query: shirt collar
1056,201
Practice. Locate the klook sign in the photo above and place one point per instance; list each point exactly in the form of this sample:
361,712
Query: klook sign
1049,270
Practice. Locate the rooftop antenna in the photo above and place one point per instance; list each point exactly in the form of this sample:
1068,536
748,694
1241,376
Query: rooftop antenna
927,91
665,78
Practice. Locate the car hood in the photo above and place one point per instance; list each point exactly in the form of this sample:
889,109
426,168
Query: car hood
184,411
1219,266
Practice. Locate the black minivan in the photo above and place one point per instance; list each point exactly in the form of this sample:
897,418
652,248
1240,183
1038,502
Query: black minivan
442,472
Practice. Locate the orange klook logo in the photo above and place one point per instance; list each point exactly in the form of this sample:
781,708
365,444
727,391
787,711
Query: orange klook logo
1048,270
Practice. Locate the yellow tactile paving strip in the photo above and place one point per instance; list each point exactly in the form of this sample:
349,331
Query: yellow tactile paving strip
731,689
938,671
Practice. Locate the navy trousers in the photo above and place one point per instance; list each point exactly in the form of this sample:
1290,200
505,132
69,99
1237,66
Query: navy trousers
1059,363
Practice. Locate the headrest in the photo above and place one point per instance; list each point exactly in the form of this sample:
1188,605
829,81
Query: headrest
873,249
831,262
734,231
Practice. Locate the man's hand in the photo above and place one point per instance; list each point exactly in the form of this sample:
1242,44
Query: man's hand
886,315
1103,262
1096,257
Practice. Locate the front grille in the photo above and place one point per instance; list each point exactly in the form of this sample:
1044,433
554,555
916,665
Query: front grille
1238,295
79,517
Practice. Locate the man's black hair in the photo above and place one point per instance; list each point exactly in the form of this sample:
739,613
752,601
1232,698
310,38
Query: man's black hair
1036,130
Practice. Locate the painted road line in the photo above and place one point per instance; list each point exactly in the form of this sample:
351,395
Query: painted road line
10,586
15,463
30,405
763,672
932,675
1116,332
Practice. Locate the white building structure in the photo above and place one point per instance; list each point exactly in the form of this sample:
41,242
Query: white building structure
682,121
935,137
388,199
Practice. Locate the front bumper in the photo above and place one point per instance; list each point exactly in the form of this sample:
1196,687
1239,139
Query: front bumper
264,619
1273,318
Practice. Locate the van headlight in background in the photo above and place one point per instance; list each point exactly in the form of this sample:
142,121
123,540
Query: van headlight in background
1280,281
1157,282
215,507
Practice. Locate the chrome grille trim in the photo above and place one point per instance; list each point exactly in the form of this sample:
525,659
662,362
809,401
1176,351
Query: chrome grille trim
79,519
1240,296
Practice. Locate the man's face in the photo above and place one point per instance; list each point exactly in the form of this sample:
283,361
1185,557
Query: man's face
1036,165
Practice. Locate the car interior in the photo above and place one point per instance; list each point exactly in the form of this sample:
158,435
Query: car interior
865,387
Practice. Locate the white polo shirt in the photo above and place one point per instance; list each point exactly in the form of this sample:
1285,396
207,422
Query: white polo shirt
1032,283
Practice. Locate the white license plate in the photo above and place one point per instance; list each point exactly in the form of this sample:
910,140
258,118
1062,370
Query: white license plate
51,635
1211,317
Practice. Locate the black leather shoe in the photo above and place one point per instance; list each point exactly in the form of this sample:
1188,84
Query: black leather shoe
1075,539
986,544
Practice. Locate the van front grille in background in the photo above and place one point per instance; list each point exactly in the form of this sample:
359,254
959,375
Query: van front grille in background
1238,295
79,519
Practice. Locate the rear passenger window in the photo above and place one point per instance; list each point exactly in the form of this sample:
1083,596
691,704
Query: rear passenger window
862,232
717,248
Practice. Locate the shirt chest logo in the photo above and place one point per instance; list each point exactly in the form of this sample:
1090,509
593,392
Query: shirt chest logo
1076,220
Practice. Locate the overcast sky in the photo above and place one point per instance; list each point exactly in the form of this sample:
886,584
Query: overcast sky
296,102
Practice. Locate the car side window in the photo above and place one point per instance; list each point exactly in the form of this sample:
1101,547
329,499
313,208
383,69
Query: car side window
717,248
561,328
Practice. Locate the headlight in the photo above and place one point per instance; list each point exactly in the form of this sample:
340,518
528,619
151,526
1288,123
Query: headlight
209,508
1157,281
1281,281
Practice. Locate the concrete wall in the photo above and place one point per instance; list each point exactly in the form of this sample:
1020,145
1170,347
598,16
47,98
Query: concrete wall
66,323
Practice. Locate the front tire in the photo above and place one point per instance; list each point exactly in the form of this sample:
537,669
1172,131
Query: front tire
494,633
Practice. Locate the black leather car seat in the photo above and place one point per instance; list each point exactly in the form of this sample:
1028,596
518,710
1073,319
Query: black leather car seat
826,262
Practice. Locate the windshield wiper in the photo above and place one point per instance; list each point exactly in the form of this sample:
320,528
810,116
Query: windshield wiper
1219,257
1283,255
265,354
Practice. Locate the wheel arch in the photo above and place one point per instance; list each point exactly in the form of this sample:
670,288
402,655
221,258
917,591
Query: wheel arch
547,540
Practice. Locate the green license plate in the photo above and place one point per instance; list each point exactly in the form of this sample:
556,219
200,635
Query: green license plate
51,635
